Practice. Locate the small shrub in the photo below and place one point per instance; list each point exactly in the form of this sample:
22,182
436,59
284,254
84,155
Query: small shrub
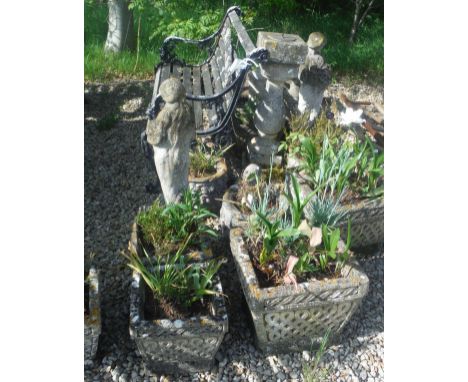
107,122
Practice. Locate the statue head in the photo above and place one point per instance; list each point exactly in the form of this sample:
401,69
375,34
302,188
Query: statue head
316,41
172,90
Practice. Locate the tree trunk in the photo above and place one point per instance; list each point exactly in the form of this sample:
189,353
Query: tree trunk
357,8
120,34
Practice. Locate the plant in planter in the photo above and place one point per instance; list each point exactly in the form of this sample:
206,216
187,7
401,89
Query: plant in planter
160,230
328,159
297,276
92,314
208,172
178,317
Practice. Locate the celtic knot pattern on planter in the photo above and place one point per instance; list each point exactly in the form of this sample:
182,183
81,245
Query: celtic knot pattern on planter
307,323
297,301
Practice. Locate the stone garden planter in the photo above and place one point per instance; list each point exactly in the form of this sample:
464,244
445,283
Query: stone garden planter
290,320
211,187
367,222
367,219
92,317
176,346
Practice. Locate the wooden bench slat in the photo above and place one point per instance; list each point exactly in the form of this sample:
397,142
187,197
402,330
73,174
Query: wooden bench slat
242,33
187,82
218,87
165,73
177,71
197,91
157,78
206,76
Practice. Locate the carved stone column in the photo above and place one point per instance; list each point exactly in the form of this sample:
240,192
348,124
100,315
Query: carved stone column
314,75
287,52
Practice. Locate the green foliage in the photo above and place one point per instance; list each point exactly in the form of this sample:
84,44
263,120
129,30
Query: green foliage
203,158
340,165
296,205
107,122
312,372
166,227
198,19
188,217
324,209
330,251
176,280
370,169
272,233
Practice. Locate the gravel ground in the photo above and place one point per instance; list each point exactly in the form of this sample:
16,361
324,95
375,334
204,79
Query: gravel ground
115,179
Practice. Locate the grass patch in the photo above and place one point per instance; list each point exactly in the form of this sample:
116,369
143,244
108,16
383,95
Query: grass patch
364,60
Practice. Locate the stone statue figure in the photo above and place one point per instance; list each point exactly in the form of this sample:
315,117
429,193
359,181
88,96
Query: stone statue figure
170,134
314,75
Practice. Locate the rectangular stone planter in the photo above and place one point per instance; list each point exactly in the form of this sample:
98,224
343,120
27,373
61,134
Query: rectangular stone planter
290,320
92,320
177,346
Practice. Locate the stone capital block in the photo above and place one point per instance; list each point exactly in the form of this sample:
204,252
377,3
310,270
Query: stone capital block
283,48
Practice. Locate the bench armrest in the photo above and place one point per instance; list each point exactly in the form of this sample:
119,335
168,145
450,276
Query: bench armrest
167,53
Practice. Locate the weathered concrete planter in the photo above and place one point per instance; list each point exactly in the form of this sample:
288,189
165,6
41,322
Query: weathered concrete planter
177,346
211,187
92,320
289,320
367,215
367,222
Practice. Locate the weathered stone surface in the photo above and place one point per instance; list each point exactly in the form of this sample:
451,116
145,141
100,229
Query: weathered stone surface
262,150
211,187
251,173
170,134
315,76
177,346
92,320
279,72
283,48
288,319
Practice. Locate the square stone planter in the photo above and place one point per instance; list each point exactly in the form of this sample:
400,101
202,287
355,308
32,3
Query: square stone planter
177,346
92,318
290,320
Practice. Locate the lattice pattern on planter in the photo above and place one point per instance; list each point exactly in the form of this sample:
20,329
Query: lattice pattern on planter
287,319
367,223
178,346
300,300
306,323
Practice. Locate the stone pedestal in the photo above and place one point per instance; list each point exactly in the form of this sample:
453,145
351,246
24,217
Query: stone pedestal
287,52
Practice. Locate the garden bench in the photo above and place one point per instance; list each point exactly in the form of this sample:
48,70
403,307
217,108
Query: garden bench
214,86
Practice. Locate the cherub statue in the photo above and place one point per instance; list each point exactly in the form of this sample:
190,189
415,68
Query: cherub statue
171,133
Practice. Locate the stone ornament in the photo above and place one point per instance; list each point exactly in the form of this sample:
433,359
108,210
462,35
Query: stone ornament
286,53
170,134
315,76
